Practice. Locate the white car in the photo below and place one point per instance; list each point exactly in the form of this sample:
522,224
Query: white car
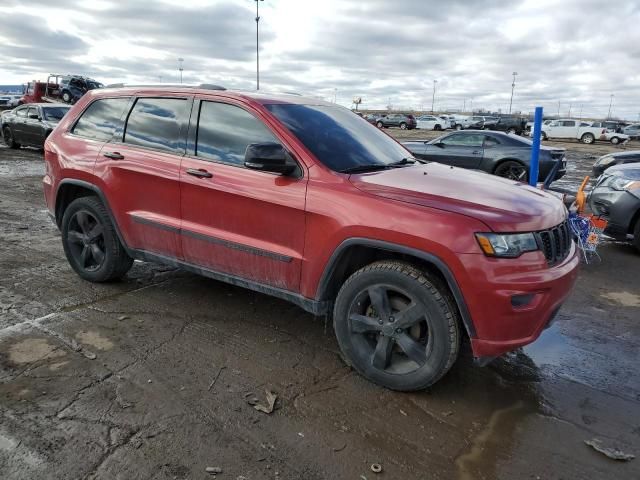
583,131
431,122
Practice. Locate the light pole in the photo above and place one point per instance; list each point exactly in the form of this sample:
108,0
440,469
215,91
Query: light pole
610,103
513,86
258,44
433,97
180,60
335,95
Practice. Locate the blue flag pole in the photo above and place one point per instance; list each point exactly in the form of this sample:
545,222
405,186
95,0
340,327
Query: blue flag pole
535,148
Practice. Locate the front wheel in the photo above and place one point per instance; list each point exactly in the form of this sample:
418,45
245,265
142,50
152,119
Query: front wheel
458,127
403,126
66,97
513,171
379,125
615,140
396,326
9,139
90,242
437,127
511,131
588,138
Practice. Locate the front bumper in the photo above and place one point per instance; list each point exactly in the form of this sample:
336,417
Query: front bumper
618,207
512,300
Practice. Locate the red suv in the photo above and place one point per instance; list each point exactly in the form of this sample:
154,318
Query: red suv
306,201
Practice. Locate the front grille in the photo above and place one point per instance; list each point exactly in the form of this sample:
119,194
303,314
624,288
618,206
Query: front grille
555,243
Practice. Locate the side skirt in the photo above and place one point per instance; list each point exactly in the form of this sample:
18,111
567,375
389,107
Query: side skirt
312,306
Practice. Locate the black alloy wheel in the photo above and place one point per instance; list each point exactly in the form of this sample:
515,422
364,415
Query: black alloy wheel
86,240
513,171
395,327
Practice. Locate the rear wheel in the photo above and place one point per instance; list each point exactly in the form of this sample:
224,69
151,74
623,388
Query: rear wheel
615,140
588,138
437,127
396,326
511,131
66,97
458,127
403,126
512,170
379,125
90,242
9,139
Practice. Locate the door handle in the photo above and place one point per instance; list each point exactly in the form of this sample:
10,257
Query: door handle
476,152
200,173
113,155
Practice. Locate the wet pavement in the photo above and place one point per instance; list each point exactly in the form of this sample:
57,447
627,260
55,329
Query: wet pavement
153,377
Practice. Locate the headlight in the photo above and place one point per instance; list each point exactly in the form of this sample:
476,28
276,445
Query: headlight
506,245
606,160
619,183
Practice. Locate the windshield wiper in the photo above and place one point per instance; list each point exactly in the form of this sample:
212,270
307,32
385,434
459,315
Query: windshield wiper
404,161
365,168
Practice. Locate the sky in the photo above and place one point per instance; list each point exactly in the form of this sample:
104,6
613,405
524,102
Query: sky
571,56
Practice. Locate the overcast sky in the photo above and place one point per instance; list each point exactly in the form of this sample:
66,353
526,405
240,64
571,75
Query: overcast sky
389,52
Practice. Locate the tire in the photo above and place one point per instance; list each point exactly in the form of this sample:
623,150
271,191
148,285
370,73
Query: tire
513,171
375,346
379,125
458,127
437,127
615,140
511,131
9,139
636,235
91,243
403,126
66,97
543,136
588,138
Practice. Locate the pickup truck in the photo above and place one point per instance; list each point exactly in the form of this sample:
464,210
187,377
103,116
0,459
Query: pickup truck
583,131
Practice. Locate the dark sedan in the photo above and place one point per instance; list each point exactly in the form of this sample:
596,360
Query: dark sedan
493,152
30,124
616,197
612,159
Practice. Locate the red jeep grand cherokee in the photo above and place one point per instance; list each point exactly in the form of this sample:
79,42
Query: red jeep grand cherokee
306,201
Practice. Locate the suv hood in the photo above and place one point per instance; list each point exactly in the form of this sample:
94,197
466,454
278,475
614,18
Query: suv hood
503,205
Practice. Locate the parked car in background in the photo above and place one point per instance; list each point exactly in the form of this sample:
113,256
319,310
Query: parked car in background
475,122
57,88
404,121
509,124
372,118
29,125
612,159
406,257
431,122
529,126
633,131
493,152
613,125
9,100
449,120
489,122
616,197
458,121
576,129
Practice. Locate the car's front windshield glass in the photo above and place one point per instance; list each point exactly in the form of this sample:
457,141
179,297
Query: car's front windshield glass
54,114
337,137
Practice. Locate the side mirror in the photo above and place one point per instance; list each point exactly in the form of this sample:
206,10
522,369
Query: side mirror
269,157
439,145
34,116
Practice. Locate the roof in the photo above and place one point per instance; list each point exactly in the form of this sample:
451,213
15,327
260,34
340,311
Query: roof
46,104
264,98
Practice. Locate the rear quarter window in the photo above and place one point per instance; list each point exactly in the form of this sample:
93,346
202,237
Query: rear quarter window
101,119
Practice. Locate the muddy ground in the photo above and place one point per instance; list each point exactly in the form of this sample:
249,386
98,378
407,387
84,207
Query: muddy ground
152,377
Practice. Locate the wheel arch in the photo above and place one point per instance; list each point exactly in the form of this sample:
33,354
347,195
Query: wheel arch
508,159
70,189
355,253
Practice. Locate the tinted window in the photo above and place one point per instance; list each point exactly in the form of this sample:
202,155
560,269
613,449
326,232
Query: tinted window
464,140
156,122
54,114
101,119
336,137
32,111
568,124
21,112
491,142
224,131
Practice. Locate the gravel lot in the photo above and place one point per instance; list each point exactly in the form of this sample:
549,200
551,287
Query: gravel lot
154,377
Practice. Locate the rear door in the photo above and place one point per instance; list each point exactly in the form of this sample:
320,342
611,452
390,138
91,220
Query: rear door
568,129
32,127
462,149
141,168
242,222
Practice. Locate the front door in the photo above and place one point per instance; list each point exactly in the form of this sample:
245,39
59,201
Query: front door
33,131
242,222
458,149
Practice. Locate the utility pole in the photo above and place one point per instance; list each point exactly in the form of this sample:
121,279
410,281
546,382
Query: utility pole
513,86
180,69
335,95
558,108
433,97
569,111
258,44
464,105
610,103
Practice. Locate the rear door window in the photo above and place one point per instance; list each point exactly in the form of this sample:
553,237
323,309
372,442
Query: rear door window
157,123
101,119
224,131
21,112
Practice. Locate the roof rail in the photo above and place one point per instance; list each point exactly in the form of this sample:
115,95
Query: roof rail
204,86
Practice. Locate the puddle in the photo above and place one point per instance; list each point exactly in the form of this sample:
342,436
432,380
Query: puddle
551,348
33,349
626,299
95,340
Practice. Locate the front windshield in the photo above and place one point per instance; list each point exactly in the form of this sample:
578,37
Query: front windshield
54,114
337,137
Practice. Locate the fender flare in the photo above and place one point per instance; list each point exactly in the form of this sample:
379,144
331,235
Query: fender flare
437,262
